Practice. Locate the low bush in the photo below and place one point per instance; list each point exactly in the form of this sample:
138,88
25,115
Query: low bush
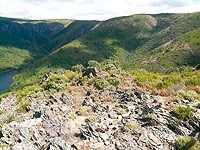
168,81
55,83
183,112
93,63
188,143
72,116
84,111
27,92
114,80
101,83
1,112
195,80
111,65
121,111
37,92
92,119
23,108
84,80
198,105
3,96
131,126
78,68
189,95
10,118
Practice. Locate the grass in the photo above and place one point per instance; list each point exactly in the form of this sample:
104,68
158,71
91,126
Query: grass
172,82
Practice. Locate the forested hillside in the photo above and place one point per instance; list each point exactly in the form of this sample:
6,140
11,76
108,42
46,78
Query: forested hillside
24,41
160,43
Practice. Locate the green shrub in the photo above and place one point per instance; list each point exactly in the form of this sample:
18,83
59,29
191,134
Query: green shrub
93,63
3,96
183,112
110,67
188,143
24,93
164,84
193,81
186,74
1,112
142,76
189,95
198,105
141,71
78,68
101,83
10,118
114,80
168,81
84,79
37,92
114,63
55,83
23,107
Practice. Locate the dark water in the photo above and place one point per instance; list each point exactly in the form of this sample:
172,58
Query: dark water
6,80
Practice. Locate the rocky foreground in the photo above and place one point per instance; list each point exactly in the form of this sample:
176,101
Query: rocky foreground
87,118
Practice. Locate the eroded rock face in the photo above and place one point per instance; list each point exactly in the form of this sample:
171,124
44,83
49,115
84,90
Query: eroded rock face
51,122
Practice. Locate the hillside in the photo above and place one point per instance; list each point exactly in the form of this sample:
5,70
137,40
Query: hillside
75,30
103,107
36,31
23,41
136,41
181,51
15,52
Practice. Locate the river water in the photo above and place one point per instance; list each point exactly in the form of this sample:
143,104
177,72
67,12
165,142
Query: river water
6,80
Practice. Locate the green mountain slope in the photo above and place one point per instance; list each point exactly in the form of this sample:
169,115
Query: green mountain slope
37,32
24,40
15,52
182,51
70,33
133,40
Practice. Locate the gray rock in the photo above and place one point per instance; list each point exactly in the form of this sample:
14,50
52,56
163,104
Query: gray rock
104,136
185,101
59,143
131,108
112,115
24,146
154,140
119,146
67,100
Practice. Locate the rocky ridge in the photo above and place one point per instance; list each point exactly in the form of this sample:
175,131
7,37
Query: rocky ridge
117,117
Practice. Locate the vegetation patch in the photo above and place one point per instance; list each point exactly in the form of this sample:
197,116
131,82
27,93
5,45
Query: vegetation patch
131,126
189,95
188,143
183,113
23,108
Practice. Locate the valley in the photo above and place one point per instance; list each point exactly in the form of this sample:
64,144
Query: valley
130,82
